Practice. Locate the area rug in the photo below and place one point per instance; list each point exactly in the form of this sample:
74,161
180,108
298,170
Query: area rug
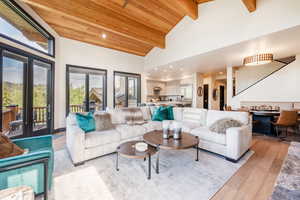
180,177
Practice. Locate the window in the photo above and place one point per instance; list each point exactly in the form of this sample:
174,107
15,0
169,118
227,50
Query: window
19,27
86,89
127,89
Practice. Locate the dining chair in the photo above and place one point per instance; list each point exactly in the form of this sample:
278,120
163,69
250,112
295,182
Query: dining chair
287,119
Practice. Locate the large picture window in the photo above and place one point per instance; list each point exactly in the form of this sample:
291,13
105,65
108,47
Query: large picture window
127,89
18,26
86,89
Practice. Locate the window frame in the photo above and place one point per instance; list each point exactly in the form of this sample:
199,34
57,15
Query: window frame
28,132
128,75
68,66
24,15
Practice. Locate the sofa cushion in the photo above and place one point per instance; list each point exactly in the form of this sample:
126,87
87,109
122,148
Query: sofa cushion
117,116
71,119
152,126
178,113
194,115
146,112
205,134
127,131
215,115
97,138
189,126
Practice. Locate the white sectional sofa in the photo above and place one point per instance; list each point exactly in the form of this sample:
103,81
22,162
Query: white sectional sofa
232,145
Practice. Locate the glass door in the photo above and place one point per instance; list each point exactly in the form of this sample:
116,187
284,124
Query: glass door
127,89
86,89
132,92
41,109
120,92
13,94
26,95
77,92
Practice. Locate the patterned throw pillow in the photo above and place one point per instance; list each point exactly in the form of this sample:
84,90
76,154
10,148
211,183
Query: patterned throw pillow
133,116
220,126
8,148
103,121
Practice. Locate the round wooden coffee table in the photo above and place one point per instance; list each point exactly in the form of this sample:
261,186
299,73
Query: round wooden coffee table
155,139
128,150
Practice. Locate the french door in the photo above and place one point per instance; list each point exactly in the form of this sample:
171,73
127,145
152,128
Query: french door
127,89
86,89
26,94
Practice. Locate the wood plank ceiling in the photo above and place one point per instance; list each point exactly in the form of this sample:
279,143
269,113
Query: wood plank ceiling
132,26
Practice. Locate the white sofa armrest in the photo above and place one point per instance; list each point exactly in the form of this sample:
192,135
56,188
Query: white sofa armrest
238,141
75,140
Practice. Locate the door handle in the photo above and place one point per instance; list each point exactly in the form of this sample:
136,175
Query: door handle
49,111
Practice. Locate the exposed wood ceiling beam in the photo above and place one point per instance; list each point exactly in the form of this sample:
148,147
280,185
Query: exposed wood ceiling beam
92,39
150,12
187,7
76,30
98,16
250,4
202,1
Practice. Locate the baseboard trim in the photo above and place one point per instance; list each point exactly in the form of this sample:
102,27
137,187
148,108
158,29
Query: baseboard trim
59,130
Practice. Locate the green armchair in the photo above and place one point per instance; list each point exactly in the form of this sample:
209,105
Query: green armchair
33,169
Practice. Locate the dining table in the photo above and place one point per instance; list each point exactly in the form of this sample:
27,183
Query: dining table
264,121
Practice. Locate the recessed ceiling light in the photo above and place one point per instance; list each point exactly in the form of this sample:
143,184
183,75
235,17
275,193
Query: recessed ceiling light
181,69
221,72
165,70
155,68
171,66
103,35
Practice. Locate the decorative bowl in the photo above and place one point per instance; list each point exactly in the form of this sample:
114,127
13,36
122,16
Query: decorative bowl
141,146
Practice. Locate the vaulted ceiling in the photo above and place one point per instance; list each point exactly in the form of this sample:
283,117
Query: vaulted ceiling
132,26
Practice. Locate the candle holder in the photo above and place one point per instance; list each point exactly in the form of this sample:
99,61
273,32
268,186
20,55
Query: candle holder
166,132
177,133
177,130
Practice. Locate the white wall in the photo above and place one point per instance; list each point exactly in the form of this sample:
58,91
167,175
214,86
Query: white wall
81,54
282,86
222,23
246,76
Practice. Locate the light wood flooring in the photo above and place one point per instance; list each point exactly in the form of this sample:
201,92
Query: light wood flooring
255,179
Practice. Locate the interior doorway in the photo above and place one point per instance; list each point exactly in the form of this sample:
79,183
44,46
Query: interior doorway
205,96
222,97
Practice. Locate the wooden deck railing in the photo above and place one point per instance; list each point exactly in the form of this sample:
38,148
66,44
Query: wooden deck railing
12,113
76,108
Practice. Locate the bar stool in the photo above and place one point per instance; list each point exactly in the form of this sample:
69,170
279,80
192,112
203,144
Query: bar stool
287,119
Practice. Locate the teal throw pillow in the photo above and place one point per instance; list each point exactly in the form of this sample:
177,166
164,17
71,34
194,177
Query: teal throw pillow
160,114
170,113
86,122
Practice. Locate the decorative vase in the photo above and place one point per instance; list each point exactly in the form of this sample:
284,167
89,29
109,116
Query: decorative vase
177,130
